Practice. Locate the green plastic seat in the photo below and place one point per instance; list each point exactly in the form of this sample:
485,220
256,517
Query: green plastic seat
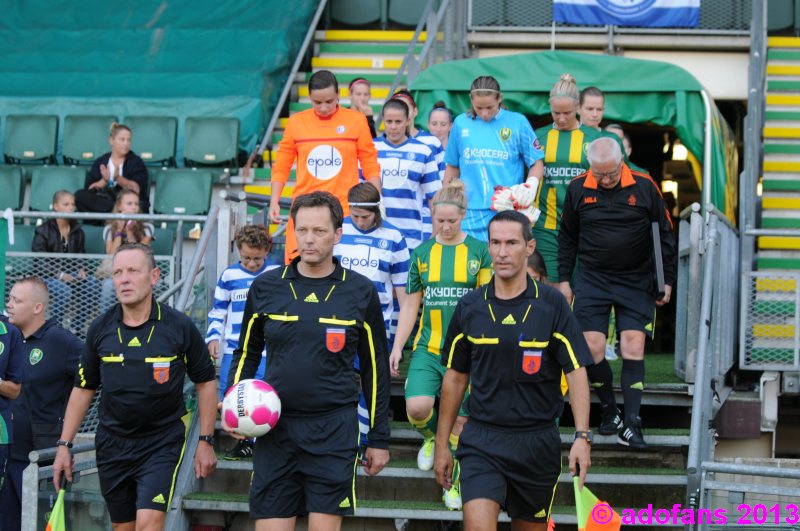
153,138
211,141
85,138
30,138
407,12
358,12
47,180
12,184
94,239
183,191
163,241
18,267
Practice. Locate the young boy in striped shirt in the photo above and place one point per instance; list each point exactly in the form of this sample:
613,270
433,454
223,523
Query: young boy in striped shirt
225,318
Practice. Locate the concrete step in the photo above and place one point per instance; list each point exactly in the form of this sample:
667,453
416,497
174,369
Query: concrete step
368,36
782,99
333,63
782,147
368,48
783,55
376,93
375,77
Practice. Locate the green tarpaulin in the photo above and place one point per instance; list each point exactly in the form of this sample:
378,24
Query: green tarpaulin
150,57
636,91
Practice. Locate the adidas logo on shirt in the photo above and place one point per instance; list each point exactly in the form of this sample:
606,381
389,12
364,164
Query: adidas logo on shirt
345,504
509,320
540,514
134,342
311,298
159,499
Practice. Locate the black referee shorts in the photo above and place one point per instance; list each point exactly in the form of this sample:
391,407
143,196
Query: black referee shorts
632,297
518,469
306,466
138,473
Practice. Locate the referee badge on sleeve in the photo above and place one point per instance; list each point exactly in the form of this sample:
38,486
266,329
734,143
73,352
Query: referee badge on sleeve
334,339
531,361
161,372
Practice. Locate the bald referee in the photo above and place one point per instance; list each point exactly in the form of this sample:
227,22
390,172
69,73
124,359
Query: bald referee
510,340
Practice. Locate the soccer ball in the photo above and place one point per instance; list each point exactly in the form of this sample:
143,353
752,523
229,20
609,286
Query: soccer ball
251,408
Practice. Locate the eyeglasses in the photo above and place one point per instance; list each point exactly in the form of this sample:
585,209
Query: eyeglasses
608,174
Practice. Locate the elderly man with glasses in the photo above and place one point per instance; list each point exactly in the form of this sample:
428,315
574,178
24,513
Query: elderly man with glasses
606,228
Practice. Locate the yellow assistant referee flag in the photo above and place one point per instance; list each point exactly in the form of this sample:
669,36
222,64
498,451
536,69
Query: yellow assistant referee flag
593,514
56,521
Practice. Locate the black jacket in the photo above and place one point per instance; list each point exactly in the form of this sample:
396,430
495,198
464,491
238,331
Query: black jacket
47,239
133,168
609,229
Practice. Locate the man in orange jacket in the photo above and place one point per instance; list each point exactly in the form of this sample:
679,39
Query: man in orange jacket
328,142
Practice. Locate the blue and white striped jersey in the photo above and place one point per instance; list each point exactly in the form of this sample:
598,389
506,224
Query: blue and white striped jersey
410,178
230,296
380,255
428,138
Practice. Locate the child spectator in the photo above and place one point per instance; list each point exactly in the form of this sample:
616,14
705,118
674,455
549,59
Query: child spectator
64,277
117,232
225,318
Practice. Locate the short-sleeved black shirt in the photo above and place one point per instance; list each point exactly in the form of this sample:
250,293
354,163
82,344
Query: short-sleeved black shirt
514,351
51,360
142,369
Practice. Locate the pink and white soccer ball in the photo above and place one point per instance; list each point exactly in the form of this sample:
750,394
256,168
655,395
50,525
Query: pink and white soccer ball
251,408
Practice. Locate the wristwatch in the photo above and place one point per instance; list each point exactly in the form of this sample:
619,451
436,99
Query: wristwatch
584,435
207,438
62,442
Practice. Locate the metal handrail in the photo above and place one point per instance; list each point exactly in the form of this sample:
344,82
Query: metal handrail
170,218
430,37
287,87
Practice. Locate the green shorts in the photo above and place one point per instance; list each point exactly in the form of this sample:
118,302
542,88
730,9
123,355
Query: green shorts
425,374
547,245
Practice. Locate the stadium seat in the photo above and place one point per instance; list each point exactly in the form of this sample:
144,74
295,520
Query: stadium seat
11,182
85,138
183,191
163,241
30,138
211,141
407,12
47,180
17,267
153,138
94,239
358,12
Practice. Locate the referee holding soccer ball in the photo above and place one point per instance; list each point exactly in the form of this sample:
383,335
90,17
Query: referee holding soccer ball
315,317
509,341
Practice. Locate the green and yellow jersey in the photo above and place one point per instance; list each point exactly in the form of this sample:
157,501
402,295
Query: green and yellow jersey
444,273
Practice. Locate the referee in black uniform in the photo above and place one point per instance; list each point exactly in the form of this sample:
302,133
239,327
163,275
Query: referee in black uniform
510,340
140,351
606,224
315,317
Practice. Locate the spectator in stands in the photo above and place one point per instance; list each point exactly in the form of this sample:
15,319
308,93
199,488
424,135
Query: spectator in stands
563,161
376,249
606,231
440,120
441,270
120,231
420,134
51,363
120,169
410,176
360,92
491,147
225,318
12,372
328,143
592,106
64,276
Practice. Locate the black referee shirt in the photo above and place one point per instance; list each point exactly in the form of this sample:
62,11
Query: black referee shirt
313,329
142,369
514,351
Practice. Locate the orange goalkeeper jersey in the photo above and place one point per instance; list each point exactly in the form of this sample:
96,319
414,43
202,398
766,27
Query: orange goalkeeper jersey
328,151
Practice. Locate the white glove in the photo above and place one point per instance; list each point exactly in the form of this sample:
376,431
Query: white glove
524,194
502,199
531,212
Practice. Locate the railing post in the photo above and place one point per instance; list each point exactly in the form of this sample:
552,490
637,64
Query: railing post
30,491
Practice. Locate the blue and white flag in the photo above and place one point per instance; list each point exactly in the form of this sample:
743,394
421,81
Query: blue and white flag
641,13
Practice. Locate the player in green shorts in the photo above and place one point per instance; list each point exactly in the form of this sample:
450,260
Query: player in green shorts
441,271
